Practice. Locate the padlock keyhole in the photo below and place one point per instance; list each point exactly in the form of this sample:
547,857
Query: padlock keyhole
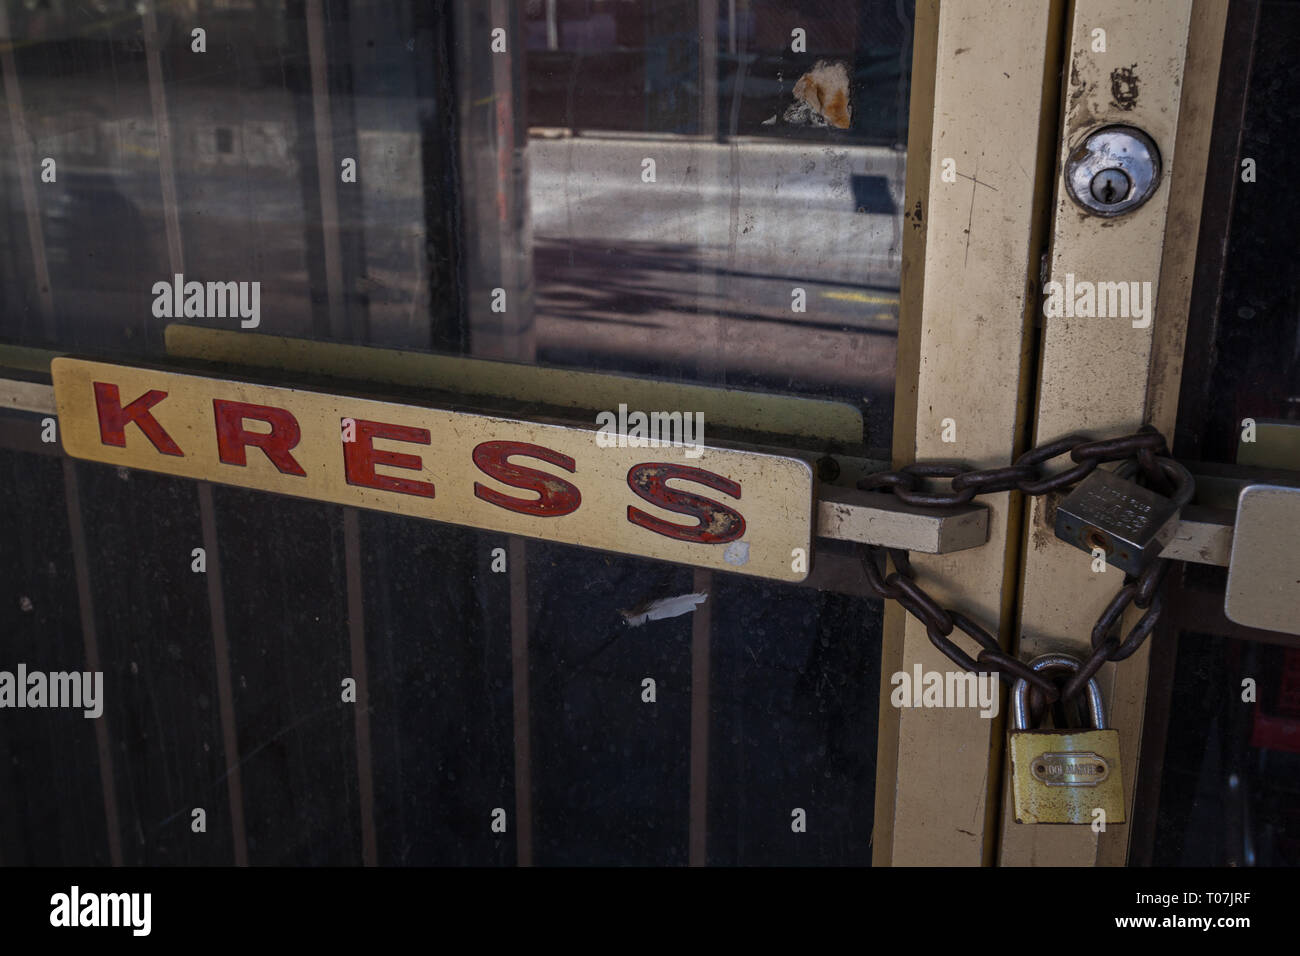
1096,540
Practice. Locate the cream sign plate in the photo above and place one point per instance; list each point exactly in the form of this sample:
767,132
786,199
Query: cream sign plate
711,507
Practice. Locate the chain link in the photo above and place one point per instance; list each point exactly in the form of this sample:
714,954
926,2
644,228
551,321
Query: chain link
1144,452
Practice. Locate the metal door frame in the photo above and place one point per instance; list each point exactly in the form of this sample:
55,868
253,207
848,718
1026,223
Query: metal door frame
1010,91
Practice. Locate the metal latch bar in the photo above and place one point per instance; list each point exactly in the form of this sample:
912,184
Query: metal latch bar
1204,535
873,517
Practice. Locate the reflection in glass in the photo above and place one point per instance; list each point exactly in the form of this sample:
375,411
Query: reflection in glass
705,191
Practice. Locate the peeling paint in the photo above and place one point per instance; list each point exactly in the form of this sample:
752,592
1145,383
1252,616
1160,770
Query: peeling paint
737,553
1124,87
663,608
821,97
917,216
1078,86
1044,522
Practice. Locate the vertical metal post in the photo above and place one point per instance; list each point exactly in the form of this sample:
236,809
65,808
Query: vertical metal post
25,156
715,166
517,557
494,178
361,709
1099,374
701,633
713,162
86,610
326,171
221,661
163,133
708,27
965,304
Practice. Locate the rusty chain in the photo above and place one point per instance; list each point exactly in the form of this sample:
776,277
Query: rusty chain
1142,451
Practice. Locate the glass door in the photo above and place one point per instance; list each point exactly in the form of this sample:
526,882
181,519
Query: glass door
542,212
804,242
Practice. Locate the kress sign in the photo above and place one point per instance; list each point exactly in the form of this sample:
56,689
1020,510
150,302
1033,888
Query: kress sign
725,509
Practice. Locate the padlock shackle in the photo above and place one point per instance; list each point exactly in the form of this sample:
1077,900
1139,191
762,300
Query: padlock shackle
1020,692
1177,473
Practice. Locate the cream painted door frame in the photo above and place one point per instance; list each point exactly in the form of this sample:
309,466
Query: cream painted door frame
1001,92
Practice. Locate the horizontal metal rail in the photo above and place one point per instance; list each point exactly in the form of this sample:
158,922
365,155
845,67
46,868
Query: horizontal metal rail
1204,535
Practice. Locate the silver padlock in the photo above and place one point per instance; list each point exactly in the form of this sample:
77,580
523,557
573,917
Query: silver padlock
1129,524
1064,775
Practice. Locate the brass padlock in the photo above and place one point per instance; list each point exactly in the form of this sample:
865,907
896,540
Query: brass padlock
1064,776
1129,524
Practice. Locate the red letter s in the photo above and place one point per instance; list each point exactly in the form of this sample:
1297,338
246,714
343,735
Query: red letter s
555,495
717,523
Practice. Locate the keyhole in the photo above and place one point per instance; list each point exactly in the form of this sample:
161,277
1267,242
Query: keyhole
1095,540
1110,186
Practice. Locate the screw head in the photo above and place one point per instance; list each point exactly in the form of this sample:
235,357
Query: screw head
1110,186
828,469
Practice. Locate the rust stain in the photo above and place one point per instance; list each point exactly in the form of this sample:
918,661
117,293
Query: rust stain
1044,531
1078,86
721,524
1124,87
1042,538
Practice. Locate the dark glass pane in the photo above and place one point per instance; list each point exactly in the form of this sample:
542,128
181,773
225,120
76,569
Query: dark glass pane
1225,754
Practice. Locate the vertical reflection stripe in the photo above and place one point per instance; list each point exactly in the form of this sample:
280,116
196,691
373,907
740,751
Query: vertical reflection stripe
221,658
518,571
361,709
81,563
26,168
701,632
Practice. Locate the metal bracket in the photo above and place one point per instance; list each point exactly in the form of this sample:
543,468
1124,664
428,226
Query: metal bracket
873,517
1264,570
